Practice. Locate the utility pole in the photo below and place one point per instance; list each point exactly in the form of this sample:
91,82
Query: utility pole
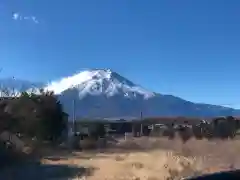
73,116
141,133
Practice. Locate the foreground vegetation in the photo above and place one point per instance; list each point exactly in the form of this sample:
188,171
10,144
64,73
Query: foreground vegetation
148,158
36,116
27,117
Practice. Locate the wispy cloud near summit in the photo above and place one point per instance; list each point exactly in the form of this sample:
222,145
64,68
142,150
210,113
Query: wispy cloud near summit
17,16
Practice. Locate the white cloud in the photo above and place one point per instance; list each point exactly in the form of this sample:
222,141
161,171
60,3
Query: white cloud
18,16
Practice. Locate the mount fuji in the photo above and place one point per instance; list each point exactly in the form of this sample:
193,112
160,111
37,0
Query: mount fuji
102,93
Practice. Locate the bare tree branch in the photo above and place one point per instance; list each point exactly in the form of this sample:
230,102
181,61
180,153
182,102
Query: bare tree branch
8,92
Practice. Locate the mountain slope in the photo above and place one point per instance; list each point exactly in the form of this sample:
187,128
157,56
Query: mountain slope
104,93
13,87
99,82
18,84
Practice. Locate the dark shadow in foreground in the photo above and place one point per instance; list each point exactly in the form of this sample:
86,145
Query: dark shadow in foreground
38,171
234,174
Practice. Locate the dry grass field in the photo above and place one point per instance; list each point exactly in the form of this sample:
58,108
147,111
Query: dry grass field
150,159
144,158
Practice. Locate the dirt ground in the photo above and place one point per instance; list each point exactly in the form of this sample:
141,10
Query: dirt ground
153,159
142,158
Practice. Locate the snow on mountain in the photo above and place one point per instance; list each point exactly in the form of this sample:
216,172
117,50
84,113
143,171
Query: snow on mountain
99,82
102,93
18,84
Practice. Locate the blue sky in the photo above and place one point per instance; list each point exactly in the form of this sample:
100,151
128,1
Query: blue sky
188,48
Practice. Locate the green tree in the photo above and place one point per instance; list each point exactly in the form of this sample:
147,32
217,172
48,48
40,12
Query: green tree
35,115
52,119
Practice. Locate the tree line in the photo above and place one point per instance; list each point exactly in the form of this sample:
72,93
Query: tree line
33,115
220,127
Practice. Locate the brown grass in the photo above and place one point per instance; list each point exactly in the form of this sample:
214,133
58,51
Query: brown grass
156,159
149,158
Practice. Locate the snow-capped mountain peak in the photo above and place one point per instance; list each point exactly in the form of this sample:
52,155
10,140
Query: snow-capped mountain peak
99,81
102,93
